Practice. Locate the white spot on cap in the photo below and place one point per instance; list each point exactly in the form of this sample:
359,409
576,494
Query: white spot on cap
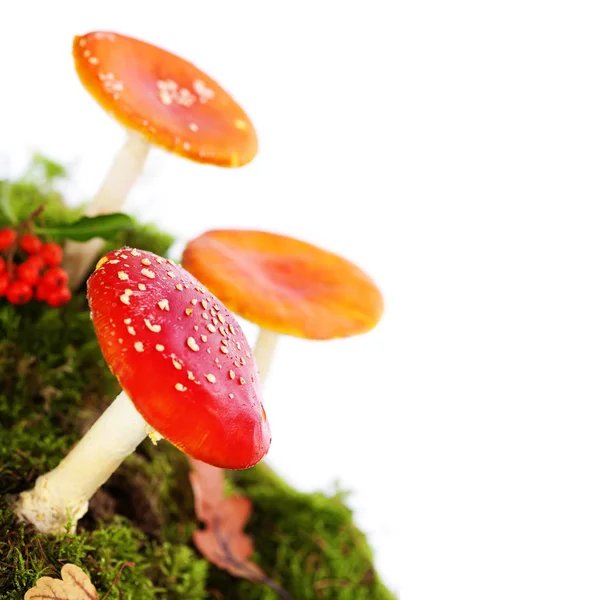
204,92
152,327
191,342
170,92
139,346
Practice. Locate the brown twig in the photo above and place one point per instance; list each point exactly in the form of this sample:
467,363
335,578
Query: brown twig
125,564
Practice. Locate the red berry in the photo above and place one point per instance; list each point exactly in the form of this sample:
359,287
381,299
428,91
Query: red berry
4,281
7,237
19,292
59,297
28,273
35,261
2,265
55,276
30,243
52,254
43,290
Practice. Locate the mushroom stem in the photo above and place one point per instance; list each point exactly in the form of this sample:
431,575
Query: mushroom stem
263,351
60,497
121,177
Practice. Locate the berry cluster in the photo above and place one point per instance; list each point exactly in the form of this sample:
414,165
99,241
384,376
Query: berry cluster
31,269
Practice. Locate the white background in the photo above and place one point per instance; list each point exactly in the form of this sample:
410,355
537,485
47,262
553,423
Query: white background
451,149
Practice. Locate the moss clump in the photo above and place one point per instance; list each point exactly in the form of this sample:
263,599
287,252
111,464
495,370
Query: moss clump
53,385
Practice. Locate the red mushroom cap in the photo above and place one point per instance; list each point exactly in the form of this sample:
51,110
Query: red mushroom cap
166,99
285,285
180,356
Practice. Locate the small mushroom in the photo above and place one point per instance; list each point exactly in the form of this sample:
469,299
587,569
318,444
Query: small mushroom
162,100
285,286
185,377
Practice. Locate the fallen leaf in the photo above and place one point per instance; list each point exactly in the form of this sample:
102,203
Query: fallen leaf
74,585
208,486
223,541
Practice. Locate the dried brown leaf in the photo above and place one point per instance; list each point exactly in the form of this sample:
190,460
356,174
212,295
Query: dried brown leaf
74,585
223,541
208,485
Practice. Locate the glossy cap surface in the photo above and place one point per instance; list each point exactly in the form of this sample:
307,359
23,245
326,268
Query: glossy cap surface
285,285
164,98
180,356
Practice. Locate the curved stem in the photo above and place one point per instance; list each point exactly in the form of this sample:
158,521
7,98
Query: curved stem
79,259
263,351
120,179
60,497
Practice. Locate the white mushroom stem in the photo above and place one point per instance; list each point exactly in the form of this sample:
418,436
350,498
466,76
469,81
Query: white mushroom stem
121,177
60,497
263,351
124,172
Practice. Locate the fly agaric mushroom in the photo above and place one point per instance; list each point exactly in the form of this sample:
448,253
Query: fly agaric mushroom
161,99
187,375
285,286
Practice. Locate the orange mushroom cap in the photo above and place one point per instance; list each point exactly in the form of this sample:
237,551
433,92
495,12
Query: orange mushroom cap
180,356
285,285
166,99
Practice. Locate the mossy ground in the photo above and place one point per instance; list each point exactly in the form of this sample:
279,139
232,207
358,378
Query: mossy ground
53,385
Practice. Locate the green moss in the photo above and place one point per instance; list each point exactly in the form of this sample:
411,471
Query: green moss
53,384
